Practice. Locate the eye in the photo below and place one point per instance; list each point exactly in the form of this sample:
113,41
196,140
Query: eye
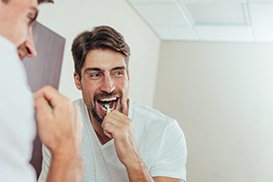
95,75
118,73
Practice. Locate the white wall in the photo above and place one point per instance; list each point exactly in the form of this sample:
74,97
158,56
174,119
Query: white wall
222,94
70,17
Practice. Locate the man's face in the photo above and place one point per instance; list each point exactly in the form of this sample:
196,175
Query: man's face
18,17
104,82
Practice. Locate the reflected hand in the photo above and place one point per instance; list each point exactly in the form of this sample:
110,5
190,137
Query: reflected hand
118,126
59,126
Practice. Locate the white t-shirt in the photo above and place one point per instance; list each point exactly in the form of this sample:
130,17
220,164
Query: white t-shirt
159,140
17,126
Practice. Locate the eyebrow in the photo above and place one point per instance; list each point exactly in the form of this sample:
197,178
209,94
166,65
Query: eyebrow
119,68
92,69
98,69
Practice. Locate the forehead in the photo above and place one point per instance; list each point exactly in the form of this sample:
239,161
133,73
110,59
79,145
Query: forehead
104,59
22,6
25,3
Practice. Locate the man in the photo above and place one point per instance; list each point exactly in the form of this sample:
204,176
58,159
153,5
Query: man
59,125
123,141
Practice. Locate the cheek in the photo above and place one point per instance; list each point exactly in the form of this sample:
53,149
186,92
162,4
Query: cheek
124,86
88,98
24,26
23,32
87,85
89,90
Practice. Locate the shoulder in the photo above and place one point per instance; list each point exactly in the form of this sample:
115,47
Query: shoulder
80,103
145,116
141,111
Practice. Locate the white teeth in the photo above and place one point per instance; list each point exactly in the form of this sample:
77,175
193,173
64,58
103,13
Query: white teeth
108,99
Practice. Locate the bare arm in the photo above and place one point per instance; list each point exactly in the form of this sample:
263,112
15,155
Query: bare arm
65,169
140,174
118,126
60,129
166,179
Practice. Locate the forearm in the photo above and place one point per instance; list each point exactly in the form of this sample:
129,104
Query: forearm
65,169
138,173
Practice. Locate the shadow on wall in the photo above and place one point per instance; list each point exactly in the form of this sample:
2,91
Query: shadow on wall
44,70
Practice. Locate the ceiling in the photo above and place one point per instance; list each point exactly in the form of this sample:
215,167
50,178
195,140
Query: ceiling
208,20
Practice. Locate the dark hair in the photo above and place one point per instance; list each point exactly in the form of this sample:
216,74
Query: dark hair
100,37
39,1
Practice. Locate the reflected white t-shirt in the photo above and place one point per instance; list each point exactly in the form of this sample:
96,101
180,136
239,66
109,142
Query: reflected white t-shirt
17,126
159,139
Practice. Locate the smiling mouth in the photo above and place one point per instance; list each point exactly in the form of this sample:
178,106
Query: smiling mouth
108,104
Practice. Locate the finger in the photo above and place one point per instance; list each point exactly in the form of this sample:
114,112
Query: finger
40,92
118,114
108,129
50,94
43,112
117,118
107,134
113,120
41,106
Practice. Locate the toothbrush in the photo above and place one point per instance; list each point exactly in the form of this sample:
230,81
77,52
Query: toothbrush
108,110
107,107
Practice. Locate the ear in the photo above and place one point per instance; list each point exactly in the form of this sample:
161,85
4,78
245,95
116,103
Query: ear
77,81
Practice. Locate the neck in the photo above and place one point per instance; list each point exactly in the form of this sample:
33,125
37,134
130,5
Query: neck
98,129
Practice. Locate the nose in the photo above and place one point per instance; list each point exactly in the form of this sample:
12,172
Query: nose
27,49
30,47
107,85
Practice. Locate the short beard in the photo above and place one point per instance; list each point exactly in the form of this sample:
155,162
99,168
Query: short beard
96,116
100,119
